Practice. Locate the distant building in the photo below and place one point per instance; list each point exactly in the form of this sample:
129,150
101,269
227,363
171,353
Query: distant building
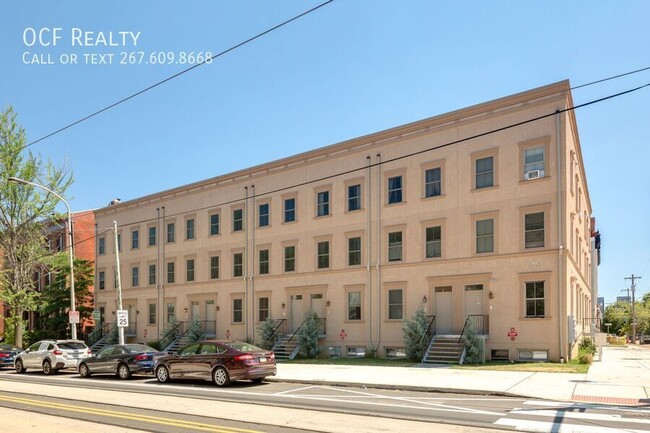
488,230
601,306
626,299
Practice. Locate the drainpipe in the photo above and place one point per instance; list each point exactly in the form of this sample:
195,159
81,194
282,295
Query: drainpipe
253,267
368,253
158,267
378,250
560,237
162,273
245,260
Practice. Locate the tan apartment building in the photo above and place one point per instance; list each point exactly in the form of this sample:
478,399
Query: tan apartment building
481,216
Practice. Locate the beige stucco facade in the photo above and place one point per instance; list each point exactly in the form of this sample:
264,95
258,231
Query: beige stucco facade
503,236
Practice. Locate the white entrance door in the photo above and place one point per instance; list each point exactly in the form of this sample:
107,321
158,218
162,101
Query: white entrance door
474,306
210,318
443,310
195,311
297,311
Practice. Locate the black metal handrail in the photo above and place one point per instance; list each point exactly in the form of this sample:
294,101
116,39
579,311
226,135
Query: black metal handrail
171,335
98,333
273,336
296,331
431,330
478,322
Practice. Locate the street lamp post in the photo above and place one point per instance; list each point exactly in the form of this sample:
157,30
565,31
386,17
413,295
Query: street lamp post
73,326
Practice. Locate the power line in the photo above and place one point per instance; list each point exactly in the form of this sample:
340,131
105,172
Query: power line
365,167
178,74
611,78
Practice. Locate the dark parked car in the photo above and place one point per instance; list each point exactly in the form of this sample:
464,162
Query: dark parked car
644,339
122,360
221,361
7,354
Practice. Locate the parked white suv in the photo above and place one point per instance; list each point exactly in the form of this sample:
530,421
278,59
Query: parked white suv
52,356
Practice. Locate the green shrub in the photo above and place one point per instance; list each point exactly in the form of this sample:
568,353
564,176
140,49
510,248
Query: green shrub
154,344
587,345
195,332
308,335
414,330
585,358
473,347
267,333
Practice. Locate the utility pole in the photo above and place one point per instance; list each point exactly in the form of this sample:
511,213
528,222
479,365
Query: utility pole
633,309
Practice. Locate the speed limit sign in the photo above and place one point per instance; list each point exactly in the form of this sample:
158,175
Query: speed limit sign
122,318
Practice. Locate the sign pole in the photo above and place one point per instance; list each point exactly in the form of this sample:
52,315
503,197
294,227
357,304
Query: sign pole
120,320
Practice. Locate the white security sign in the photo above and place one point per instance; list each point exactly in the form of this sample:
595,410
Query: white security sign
122,318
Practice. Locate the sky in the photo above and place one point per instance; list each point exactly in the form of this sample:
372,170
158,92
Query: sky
350,68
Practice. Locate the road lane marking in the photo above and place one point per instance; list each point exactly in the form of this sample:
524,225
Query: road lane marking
577,415
125,415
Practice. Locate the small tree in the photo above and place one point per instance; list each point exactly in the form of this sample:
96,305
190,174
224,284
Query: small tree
308,335
266,331
195,332
415,331
473,347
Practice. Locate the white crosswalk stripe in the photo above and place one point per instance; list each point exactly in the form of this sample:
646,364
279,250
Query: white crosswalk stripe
542,426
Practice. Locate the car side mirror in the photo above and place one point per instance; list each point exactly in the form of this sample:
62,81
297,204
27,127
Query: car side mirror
26,350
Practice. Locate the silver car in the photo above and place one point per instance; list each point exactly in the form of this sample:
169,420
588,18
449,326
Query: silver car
52,356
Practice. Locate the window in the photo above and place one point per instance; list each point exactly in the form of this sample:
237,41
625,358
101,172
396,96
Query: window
433,242
264,261
171,312
323,203
289,210
535,299
485,172
323,255
189,229
214,267
171,233
171,272
135,276
237,220
189,270
151,316
395,246
237,310
354,251
395,305
354,305
102,280
485,236
135,239
263,218
354,197
289,258
152,236
534,160
214,224
238,264
432,182
101,249
534,229
119,242
395,189
152,274
263,309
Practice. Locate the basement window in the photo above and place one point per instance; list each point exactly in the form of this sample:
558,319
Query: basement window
395,353
356,352
334,351
500,355
533,355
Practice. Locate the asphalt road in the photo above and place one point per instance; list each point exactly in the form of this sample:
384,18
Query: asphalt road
205,406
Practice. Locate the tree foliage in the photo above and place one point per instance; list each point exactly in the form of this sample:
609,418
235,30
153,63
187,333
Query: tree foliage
267,333
473,347
308,335
23,211
54,302
619,315
414,335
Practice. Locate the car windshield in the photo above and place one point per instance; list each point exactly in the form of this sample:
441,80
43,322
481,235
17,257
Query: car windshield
71,345
137,348
9,347
243,347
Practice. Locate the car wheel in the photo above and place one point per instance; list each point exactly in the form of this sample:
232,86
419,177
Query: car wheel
84,371
162,374
20,368
47,368
123,371
220,376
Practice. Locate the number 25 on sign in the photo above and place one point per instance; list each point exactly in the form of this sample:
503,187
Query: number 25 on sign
122,318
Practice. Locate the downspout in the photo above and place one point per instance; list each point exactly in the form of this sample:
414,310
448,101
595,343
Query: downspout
158,268
369,250
560,256
163,307
96,286
253,267
378,250
245,264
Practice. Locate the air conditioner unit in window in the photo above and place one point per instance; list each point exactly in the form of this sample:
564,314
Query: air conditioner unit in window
534,174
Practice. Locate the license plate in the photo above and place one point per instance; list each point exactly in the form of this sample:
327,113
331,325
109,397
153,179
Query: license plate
262,359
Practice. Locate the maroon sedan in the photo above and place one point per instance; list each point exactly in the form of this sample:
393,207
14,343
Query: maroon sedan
221,361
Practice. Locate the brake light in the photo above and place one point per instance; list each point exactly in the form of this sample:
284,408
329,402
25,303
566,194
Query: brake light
272,356
4,355
57,352
89,352
243,357
141,357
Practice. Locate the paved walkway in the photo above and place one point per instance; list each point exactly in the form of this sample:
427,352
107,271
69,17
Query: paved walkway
621,377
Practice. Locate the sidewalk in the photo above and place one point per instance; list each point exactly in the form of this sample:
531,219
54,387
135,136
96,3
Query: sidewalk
621,377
